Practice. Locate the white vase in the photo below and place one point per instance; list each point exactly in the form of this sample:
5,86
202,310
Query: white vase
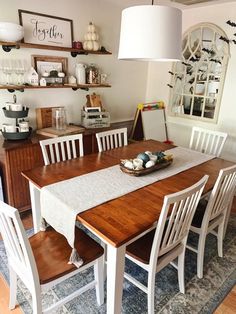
80,73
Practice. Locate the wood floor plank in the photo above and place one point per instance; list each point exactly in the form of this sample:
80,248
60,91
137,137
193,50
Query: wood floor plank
228,306
4,299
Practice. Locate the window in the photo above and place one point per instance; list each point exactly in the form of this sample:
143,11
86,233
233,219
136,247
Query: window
198,80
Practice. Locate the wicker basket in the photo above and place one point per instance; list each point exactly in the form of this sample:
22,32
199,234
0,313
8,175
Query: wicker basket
145,171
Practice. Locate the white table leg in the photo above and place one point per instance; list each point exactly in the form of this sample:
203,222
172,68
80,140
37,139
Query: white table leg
115,277
35,205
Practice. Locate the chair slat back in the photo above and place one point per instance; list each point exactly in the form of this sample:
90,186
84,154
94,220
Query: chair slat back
61,148
222,193
19,252
111,139
174,229
207,141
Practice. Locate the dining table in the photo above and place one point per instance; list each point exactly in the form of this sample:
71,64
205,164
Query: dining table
122,220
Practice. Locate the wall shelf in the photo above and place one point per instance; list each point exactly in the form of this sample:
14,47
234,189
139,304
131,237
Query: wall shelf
8,46
21,88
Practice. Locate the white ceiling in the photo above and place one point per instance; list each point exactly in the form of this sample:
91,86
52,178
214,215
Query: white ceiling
182,4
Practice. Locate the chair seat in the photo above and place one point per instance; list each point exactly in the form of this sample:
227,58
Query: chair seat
141,249
53,255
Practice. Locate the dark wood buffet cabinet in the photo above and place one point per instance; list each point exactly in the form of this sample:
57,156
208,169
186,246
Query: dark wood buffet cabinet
16,156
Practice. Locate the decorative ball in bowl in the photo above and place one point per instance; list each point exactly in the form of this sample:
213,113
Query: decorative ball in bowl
145,163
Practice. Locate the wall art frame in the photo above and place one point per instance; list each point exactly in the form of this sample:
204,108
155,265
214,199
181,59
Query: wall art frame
43,64
43,29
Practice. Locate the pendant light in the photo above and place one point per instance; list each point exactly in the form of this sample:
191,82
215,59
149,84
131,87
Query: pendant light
151,33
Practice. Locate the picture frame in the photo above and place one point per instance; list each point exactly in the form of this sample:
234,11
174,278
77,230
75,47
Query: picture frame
43,64
43,29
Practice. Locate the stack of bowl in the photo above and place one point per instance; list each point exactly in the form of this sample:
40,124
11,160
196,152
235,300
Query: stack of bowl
11,32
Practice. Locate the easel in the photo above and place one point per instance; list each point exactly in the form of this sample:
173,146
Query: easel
150,122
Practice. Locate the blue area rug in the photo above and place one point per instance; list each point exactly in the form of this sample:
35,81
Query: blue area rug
202,295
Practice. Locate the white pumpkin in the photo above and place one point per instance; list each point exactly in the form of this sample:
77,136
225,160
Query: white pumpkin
85,46
128,164
89,45
94,36
150,163
91,27
153,158
89,36
95,45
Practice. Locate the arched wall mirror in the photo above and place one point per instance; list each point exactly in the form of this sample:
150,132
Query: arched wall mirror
197,81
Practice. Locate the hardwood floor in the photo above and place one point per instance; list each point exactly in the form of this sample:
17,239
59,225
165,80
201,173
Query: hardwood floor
4,299
228,306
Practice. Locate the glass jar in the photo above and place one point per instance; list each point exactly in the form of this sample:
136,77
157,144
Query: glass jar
92,74
59,118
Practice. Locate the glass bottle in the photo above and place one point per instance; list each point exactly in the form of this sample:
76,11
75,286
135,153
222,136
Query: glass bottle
59,118
92,74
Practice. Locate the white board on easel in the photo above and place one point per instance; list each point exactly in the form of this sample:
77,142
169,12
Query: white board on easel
154,125
149,122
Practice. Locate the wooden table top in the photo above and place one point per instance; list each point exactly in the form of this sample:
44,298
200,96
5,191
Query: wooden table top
121,219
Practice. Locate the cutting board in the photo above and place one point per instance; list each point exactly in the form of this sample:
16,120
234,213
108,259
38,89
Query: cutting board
51,132
94,100
44,117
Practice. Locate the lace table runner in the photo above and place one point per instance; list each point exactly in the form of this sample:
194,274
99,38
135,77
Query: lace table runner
62,201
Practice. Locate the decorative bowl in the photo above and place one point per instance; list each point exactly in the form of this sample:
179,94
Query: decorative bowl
11,32
136,171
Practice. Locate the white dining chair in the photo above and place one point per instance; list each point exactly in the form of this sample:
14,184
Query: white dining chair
111,139
167,241
41,261
207,141
62,148
212,216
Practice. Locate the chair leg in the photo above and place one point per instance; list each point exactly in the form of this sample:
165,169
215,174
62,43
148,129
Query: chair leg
220,238
151,292
36,303
181,260
104,260
99,277
13,288
200,254
226,218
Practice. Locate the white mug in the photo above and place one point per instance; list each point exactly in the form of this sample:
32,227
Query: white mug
9,128
24,126
7,106
16,107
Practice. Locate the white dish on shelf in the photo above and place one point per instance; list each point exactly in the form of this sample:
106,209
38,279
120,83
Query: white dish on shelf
11,32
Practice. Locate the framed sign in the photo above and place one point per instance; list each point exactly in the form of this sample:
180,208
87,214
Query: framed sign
44,64
45,29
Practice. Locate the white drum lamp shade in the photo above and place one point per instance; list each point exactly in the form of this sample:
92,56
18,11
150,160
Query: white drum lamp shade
151,33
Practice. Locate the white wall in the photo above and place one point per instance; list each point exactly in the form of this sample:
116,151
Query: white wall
132,82
128,79
180,128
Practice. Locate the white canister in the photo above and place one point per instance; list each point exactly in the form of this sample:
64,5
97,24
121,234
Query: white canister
16,107
24,126
80,73
9,128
